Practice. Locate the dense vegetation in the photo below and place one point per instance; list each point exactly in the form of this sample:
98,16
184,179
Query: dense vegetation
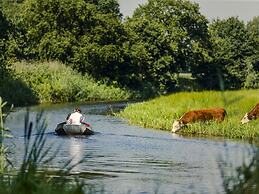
161,112
146,52
54,82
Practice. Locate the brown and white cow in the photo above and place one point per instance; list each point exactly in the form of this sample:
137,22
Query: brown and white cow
217,114
253,114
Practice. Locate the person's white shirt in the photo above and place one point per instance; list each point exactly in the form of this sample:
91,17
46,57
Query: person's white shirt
75,118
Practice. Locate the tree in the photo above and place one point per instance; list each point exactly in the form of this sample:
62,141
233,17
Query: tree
167,37
53,27
99,50
231,46
253,28
11,9
4,30
88,34
252,79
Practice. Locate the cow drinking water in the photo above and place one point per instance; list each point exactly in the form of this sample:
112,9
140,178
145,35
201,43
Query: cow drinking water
253,114
217,114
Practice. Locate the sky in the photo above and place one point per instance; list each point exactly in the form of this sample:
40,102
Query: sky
244,9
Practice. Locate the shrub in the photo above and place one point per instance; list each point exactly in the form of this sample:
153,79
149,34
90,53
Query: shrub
55,82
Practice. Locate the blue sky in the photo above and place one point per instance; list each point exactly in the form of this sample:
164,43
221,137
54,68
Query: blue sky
244,9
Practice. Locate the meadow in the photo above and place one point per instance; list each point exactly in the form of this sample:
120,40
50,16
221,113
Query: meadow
159,113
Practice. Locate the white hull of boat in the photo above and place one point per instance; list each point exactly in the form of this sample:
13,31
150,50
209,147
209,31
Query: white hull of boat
66,129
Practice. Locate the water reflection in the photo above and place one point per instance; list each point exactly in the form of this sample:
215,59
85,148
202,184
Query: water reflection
125,158
176,136
75,152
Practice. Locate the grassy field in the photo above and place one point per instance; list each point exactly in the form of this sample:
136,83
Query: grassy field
160,112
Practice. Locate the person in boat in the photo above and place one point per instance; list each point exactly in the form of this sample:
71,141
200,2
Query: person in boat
75,118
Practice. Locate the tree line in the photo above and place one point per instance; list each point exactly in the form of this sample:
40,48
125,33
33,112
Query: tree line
144,52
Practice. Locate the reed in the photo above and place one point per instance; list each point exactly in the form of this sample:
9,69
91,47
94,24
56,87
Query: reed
34,176
30,178
3,150
160,112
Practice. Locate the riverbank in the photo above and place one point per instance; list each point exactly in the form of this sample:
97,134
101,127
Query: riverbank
52,82
144,162
160,112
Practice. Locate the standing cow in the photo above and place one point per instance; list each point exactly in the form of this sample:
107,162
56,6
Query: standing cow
252,115
217,114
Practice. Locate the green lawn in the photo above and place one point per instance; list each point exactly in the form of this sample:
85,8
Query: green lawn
160,112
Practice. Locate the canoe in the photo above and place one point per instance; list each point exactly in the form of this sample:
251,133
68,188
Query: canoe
66,129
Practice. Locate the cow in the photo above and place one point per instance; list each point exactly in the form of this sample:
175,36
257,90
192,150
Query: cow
203,115
252,115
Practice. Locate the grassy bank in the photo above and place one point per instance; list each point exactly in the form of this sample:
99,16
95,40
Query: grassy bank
159,113
53,82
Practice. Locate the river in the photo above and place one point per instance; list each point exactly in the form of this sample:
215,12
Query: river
130,159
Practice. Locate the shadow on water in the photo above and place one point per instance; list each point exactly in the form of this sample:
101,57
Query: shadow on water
63,136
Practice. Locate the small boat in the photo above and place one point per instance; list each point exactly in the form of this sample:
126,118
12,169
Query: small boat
67,129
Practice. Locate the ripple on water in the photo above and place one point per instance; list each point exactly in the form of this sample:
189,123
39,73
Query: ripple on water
124,158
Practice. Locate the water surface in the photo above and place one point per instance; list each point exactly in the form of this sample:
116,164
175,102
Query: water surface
130,159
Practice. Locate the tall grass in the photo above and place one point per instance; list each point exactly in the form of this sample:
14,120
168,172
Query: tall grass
54,82
30,178
160,112
33,176
3,150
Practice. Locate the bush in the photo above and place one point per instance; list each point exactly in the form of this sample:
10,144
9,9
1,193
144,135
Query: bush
55,82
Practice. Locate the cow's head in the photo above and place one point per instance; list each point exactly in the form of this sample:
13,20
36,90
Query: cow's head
177,125
245,119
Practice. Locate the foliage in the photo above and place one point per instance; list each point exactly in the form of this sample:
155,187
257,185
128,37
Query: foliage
146,52
161,112
4,26
253,62
54,82
166,37
11,8
252,78
7,80
231,48
3,150
88,34
253,28
50,28
99,52
8,83
11,84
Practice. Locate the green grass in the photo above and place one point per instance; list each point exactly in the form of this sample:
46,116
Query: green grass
160,112
53,82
